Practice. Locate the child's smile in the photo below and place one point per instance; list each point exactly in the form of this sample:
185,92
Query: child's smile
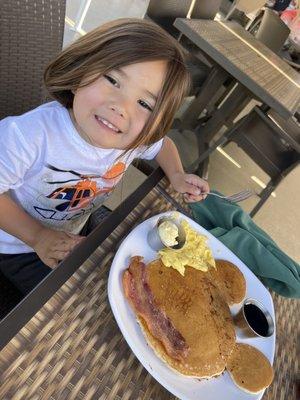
106,124
112,111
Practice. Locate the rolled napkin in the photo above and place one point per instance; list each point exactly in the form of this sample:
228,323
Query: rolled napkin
235,228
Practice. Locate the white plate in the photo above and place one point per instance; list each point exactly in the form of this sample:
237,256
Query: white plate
185,388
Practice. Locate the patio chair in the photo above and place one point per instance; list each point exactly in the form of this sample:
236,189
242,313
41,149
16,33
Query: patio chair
272,32
205,9
270,141
31,34
164,13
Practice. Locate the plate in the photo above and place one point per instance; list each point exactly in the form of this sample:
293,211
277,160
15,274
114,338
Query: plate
221,387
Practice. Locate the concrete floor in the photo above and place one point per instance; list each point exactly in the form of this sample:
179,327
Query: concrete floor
279,217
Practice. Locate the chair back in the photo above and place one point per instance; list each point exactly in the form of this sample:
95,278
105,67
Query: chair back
31,33
164,13
291,126
266,144
205,9
225,6
272,31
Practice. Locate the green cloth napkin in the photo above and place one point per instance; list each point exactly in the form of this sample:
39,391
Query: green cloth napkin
235,228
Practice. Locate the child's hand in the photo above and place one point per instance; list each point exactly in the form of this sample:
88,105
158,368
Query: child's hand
191,185
53,246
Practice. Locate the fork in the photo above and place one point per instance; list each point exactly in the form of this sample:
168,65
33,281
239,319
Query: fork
236,197
243,195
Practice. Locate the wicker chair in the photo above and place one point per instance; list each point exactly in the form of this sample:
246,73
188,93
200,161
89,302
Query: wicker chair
31,33
270,141
272,31
164,12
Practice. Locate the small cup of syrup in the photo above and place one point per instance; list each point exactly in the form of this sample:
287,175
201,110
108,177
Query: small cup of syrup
254,319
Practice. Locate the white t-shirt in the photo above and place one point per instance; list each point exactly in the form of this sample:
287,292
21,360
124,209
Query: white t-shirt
55,175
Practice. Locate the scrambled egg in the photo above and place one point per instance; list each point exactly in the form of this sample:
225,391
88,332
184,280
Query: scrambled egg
195,253
168,233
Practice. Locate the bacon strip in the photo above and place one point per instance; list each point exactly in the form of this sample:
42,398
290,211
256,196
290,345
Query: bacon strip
139,294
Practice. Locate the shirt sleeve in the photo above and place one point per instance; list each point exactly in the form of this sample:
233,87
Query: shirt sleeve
18,155
150,152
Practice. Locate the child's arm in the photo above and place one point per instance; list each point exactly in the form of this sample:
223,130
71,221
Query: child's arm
191,185
50,245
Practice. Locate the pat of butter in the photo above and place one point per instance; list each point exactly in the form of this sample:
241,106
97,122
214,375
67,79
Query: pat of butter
168,233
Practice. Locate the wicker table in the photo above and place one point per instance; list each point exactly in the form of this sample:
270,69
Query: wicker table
72,347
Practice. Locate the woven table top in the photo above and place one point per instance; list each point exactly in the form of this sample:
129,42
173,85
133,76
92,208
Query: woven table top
248,60
73,349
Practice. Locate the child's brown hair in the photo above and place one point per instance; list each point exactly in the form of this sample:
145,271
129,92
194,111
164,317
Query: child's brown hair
116,44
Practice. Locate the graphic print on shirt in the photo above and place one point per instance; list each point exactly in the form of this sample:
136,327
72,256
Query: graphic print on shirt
80,193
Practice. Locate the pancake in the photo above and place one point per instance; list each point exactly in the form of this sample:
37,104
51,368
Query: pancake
250,370
229,280
199,312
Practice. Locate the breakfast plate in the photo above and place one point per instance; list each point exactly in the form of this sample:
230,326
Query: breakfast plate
186,388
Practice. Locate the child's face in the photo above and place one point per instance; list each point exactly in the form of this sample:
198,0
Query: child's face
112,111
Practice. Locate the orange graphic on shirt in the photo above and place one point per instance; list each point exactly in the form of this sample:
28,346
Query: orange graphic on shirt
76,196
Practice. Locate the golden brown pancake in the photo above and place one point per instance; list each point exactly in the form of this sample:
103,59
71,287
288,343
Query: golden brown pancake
229,280
199,312
249,368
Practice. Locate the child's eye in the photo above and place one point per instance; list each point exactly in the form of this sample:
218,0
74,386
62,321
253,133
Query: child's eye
111,80
145,105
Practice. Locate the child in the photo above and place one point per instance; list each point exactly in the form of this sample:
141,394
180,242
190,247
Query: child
116,91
